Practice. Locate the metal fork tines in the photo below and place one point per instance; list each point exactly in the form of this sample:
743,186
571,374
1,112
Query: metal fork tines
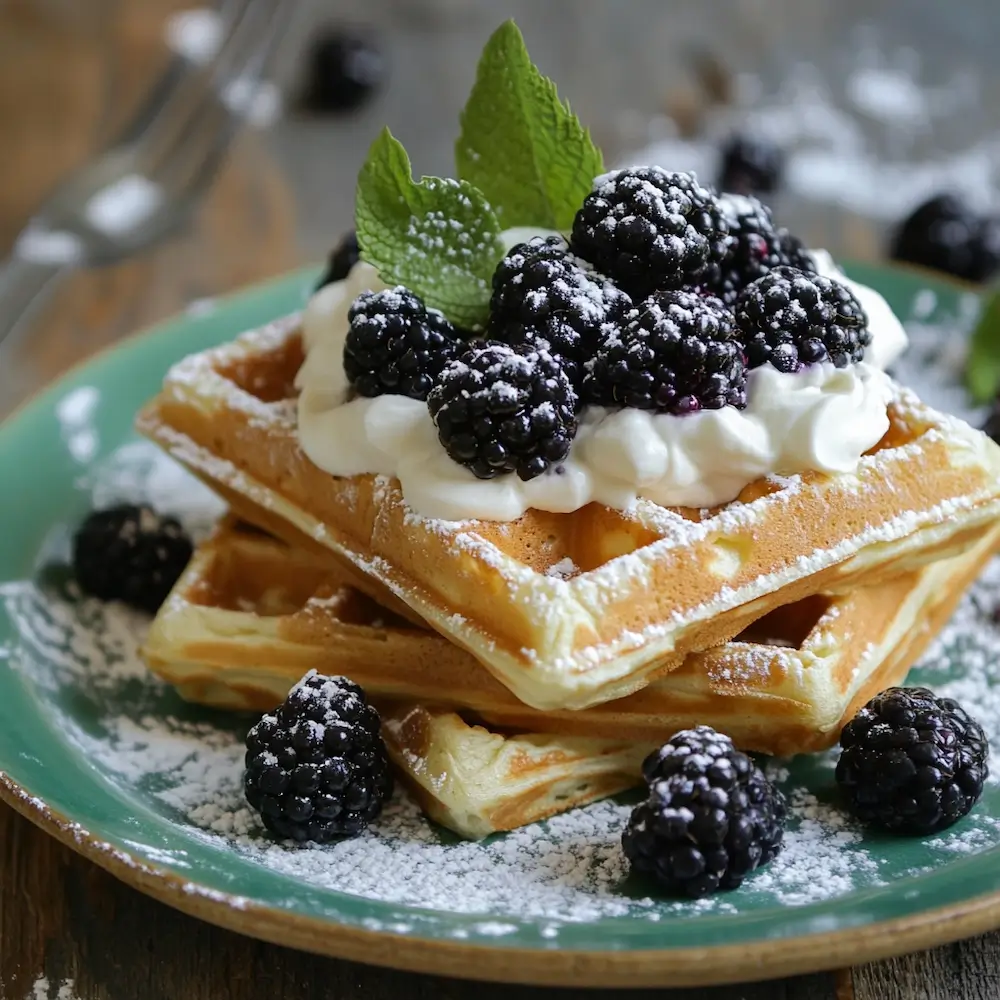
144,184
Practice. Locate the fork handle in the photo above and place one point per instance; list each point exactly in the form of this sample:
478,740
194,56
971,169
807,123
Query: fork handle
23,286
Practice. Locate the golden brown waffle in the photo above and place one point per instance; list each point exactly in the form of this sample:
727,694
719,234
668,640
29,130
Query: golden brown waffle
477,782
647,586
251,615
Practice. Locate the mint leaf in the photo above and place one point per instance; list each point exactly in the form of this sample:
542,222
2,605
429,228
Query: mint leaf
519,144
437,237
982,367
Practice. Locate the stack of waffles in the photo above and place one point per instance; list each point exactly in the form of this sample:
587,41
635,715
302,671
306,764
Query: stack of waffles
526,667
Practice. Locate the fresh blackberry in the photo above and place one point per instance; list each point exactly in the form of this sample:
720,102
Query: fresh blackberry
912,762
991,426
792,318
678,355
651,229
342,258
396,345
498,411
750,165
130,553
755,247
545,297
711,817
344,70
316,768
946,235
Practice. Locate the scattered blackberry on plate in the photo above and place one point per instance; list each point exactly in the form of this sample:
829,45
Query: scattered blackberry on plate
498,410
396,345
756,247
792,318
651,229
316,768
342,258
545,297
680,354
912,762
750,165
344,70
130,553
946,235
711,817
991,426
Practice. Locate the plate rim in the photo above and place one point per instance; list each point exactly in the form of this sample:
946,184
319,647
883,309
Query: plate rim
746,961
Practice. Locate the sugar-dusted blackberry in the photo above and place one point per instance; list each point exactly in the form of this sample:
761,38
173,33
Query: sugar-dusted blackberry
498,410
912,762
710,819
342,258
396,345
750,165
651,229
316,768
947,235
792,318
755,247
344,70
545,297
130,553
678,355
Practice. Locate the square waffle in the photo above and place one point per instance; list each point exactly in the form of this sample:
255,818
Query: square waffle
571,610
251,615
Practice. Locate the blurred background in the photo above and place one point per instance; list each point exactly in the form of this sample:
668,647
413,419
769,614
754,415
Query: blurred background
845,115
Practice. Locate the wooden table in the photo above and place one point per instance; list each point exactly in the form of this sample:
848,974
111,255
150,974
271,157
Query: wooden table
68,931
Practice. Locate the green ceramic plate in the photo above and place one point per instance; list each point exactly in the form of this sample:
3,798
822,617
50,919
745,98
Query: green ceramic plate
105,758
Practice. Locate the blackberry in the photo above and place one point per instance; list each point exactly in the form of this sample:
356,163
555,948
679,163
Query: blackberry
316,768
396,345
792,318
912,762
545,297
498,411
342,258
651,229
750,165
344,70
991,426
711,817
755,248
130,553
680,354
946,235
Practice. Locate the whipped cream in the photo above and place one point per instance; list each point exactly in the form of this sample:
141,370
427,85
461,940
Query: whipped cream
821,418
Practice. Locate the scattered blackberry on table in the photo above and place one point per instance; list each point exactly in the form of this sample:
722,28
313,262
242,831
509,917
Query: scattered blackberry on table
130,553
316,768
756,247
498,410
342,258
681,353
344,70
651,229
711,817
396,345
946,235
545,297
792,318
912,762
750,165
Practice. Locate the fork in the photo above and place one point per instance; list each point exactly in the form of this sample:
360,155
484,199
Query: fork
146,182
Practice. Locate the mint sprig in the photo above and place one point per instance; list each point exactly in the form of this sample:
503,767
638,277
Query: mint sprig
519,144
438,237
982,367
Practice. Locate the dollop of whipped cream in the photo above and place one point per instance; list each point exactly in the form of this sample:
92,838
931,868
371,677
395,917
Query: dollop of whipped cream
822,418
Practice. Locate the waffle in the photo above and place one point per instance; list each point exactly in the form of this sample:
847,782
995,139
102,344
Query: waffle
251,615
477,782
646,586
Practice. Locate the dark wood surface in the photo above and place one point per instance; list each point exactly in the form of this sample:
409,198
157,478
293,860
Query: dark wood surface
69,931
